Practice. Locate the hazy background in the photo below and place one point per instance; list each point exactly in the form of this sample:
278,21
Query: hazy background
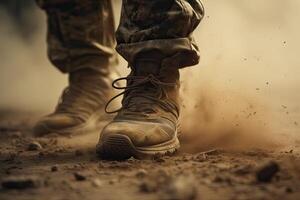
246,90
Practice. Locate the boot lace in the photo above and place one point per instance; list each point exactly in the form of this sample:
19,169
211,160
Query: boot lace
141,95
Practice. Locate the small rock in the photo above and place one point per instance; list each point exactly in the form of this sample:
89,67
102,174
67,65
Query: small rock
201,157
54,168
181,188
79,177
21,182
142,173
34,146
112,181
266,172
97,182
132,160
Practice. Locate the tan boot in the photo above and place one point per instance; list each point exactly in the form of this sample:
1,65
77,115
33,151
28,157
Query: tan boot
146,125
81,105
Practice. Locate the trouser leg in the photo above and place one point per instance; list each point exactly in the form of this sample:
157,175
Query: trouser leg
165,26
80,34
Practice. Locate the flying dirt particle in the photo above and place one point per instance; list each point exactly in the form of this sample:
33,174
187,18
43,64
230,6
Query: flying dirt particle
34,146
296,123
79,177
257,89
284,107
267,83
21,182
266,172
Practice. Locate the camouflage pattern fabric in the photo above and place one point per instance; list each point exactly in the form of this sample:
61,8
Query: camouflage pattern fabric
81,31
163,25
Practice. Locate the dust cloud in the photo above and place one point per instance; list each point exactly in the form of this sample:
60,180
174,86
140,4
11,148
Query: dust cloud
243,94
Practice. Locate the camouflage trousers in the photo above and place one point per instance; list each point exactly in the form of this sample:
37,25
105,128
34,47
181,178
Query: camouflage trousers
81,33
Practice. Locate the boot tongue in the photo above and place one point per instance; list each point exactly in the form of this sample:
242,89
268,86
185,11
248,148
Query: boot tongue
141,99
151,64
148,63
146,67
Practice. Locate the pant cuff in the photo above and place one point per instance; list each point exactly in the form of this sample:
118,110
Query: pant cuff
179,52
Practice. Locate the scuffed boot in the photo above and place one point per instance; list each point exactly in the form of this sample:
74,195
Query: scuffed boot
81,105
146,125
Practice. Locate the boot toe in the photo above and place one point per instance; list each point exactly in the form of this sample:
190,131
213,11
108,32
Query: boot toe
54,124
141,133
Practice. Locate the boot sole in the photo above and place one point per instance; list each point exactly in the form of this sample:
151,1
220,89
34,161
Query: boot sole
120,147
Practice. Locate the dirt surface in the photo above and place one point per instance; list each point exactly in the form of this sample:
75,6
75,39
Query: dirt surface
68,168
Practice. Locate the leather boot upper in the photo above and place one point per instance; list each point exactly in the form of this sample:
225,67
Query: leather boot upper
150,108
87,93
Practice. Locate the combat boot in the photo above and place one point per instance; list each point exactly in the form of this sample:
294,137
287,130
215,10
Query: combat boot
81,105
146,124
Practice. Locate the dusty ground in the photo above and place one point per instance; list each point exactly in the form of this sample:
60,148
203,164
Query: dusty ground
67,168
